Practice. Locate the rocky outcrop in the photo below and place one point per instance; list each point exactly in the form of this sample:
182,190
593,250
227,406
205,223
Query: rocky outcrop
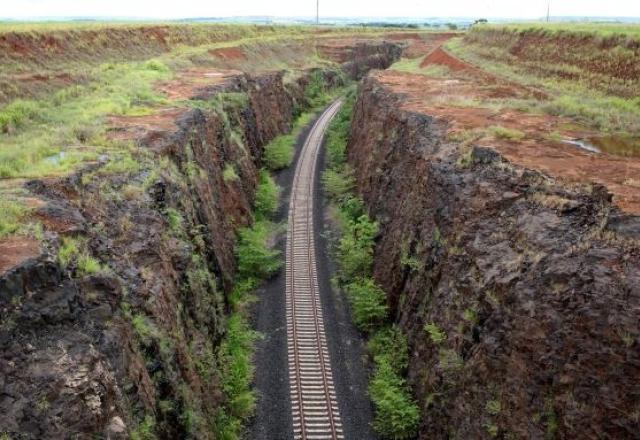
534,284
364,57
122,336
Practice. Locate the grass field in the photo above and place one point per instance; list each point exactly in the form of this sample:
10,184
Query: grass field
595,87
601,29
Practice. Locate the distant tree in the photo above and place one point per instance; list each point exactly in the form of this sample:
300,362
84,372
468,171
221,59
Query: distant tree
452,26
480,21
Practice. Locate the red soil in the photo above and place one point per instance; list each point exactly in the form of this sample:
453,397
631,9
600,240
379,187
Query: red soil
229,53
190,83
442,58
14,250
437,97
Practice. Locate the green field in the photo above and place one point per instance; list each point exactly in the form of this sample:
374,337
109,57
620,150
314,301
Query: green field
601,29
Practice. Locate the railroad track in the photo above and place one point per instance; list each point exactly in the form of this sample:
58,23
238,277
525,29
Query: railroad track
314,404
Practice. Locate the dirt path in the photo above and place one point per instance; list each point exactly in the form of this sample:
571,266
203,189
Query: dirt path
310,377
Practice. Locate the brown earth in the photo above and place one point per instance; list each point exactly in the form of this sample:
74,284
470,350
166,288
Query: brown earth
438,97
610,64
229,53
15,250
442,58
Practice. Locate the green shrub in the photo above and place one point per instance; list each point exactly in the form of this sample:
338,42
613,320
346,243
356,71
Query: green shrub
278,153
145,430
236,375
338,132
316,90
255,259
437,335
369,303
397,414
267,196
340,183
355,249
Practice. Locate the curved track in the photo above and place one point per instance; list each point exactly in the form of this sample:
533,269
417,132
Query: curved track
314,404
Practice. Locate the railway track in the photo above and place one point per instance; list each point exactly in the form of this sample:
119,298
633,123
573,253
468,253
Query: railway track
314,404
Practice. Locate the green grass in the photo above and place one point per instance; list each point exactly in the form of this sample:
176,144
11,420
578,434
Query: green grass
87,265
68,251
500,132
600,29
596,99
12,218
229,174
412,65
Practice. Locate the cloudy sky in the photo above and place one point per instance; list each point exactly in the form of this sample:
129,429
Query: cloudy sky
342,8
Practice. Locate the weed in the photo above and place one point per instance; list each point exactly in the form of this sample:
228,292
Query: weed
69,250
87,265
466,159
450,360
123,163
493,407
470,315
145,330
13,215
369,303
339,183
255,258
229,174
175,220
267,196
492,429
355,249
156,65
397,414
278,153
16,114
437,335
145,430
500,132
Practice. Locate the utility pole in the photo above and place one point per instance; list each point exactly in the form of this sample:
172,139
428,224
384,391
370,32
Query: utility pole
548,9
317,12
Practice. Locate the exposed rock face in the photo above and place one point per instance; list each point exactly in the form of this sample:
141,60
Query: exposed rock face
535,283
86,355
366,56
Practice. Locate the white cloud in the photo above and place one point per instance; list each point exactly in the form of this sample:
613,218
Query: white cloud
343,8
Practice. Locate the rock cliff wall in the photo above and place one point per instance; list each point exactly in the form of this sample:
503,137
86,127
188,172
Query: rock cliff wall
534,284
131,345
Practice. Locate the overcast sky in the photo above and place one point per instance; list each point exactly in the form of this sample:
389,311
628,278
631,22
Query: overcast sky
333,8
